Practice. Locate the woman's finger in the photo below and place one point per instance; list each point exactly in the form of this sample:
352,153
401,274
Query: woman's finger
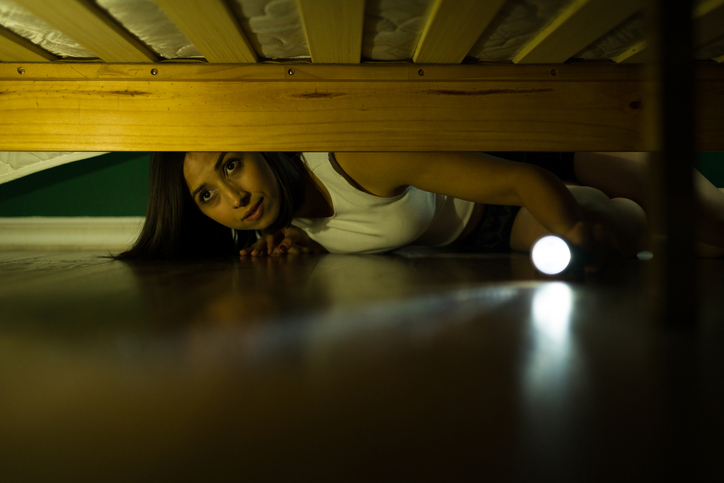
267,246
269,243
287,243
283,246
250,249
261,246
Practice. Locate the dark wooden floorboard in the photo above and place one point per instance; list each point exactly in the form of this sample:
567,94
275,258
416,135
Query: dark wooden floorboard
423,365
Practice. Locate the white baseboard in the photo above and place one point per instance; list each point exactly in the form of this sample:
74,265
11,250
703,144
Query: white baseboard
71,233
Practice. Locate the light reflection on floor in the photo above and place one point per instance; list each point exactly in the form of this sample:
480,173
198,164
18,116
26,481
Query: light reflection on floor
369,327
441,364
552,305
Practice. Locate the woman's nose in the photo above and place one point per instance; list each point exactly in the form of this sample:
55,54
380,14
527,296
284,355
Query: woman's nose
238,198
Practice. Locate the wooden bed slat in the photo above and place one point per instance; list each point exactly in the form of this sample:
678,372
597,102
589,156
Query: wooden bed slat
452,28
708,25
708,22
333,29
212,28
14,48
92,28
638,53
578,25
308,107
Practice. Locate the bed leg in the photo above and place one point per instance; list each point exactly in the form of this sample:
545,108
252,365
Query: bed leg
675,301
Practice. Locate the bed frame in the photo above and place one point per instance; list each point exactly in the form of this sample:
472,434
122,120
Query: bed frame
131,100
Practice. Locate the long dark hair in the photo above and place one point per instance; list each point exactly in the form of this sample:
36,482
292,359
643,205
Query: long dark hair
175,228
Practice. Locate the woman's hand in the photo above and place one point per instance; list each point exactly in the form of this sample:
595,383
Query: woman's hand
296,240
289,240
265,245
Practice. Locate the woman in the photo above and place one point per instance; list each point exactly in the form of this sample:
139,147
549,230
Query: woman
376,202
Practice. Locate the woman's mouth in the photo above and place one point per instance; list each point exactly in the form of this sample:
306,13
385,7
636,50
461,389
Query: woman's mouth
255,212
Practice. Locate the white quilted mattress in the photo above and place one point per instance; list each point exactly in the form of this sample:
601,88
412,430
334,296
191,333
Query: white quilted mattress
14,165
391,30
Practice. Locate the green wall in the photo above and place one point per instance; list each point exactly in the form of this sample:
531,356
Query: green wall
116,184
712,166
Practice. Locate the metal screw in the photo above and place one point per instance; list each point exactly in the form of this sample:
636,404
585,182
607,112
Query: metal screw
154,71
421,72
290,72
21,70
554,72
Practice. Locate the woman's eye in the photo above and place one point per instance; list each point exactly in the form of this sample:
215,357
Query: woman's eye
231,165
205,196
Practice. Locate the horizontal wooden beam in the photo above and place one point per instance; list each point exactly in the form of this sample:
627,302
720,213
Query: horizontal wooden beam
93,107
203,72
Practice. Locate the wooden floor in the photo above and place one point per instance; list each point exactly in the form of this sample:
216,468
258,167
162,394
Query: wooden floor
418,365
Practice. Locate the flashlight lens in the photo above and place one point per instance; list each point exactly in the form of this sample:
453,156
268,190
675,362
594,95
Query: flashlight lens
551,255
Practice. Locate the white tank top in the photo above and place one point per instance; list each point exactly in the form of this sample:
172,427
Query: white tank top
365,223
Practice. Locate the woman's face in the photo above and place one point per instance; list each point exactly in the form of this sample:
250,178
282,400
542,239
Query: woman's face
238,190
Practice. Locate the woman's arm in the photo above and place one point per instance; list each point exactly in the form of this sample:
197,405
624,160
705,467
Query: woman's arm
471,176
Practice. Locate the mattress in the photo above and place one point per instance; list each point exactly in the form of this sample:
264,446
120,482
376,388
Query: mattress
391,30
14,165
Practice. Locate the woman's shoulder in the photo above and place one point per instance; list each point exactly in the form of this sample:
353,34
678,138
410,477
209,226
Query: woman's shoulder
367,172
313,159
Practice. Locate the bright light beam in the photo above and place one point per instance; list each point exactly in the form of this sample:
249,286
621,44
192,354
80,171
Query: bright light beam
551,255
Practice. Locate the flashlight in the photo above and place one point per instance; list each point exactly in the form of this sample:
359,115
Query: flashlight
553,255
